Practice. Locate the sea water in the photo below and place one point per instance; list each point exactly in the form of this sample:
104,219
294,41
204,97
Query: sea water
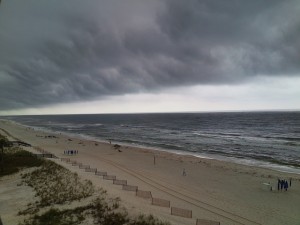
269,139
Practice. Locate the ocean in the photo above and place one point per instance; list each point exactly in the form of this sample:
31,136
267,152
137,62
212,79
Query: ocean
268,139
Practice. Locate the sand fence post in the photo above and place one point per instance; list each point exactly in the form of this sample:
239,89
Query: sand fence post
109,177
181,212
93,170
143,194
129,188
206,222
161,202
84,166
120,182
101,173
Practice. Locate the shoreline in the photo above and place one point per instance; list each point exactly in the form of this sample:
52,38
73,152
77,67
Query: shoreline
212,189
289,169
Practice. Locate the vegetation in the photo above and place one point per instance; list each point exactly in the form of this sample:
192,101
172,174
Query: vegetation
3,143
55,185
56,217
98,210
13,159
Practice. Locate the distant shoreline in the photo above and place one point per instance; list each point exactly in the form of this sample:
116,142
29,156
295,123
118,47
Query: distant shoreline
179,112
212,189
287,168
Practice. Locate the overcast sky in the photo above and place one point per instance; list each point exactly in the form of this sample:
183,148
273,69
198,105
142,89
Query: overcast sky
114,56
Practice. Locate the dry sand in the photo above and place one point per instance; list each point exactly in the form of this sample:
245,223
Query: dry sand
14,197
221,191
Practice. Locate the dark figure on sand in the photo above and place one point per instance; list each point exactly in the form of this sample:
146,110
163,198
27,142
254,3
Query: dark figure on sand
286,185
71,152
281,184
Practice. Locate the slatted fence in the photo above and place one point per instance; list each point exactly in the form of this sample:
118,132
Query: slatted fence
109,177
84,166
101,173
129,188
161,202
181,212
143,194
93,170
120,182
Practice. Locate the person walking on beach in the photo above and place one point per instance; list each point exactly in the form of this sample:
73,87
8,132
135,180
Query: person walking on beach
286,185
290,182
278,184
183,172
281,184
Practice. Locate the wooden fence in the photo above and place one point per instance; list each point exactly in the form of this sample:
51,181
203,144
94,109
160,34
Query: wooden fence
93,170
161,202
120,182
139,193
101,173
84,167
181,212
129,188
143,194
109,177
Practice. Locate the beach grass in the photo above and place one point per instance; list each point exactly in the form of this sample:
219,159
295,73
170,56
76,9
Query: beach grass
54,184
55,187
100,212
14,159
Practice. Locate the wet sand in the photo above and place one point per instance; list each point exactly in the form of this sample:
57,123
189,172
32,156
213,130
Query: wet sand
216,190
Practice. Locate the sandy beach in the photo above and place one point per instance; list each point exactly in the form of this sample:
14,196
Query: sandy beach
214,190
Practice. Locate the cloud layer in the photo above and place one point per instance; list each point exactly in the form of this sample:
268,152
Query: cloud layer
54,52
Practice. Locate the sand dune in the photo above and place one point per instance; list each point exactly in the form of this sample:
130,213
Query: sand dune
214,190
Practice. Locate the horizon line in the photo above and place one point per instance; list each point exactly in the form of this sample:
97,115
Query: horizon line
175,112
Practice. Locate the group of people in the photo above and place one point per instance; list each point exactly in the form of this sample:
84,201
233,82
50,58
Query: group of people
71,152
283,184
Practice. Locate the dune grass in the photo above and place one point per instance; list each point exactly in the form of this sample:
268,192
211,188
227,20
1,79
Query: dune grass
14,159
55,186
99,211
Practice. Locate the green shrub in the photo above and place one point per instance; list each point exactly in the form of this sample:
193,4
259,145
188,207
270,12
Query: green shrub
55,217
15,159
147,220
54,184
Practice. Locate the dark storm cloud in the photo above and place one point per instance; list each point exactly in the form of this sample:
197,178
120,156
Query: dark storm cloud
53,52
245,37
